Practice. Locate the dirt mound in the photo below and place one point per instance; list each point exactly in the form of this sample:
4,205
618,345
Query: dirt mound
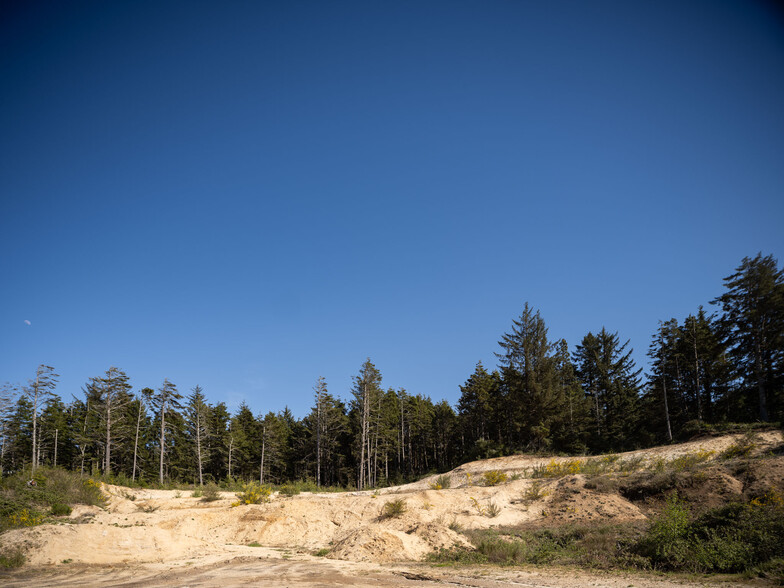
572,501
170,527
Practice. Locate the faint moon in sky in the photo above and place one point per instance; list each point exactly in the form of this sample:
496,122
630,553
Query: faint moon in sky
28,322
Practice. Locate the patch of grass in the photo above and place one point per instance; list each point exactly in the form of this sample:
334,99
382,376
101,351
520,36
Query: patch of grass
689,461
494,478
393,509
254,544
322,552
295,487
742,448
12,559
557,469
441,482
585,546
127,495
631,464
534,492
603,484
197,493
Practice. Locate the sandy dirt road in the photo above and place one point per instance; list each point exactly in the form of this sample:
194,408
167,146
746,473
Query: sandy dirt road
275,569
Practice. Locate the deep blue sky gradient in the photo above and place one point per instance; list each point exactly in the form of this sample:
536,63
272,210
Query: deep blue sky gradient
249,195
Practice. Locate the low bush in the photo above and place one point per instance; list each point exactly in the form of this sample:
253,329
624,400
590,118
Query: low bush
597,546
12,559
393,509
441,482
61,510
494,478
253,493
734,538
534,492
210,492
557,469
24,503
289,489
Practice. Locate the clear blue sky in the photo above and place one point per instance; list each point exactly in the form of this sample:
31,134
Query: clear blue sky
249,195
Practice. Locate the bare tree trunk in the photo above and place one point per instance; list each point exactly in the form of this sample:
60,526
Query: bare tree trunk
107,468
198,445
231,447
38,456
697,393
363,437
666,410
163,440
55,447
136,440
318,439
35,424
263,447
760,383
2,447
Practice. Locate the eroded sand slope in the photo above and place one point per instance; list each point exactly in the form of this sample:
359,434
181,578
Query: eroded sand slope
171,529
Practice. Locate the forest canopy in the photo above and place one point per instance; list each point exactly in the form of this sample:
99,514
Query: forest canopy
708,368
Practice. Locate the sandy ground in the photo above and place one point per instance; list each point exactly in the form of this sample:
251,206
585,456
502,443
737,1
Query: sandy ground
168,538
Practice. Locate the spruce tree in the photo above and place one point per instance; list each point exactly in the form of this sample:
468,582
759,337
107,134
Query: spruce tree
608,374
528,372
753,327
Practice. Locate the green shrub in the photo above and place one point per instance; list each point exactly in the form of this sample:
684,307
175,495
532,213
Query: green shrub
60,510
210,492
730,539
441,482
253,493
289,489
534,492
556,469
666,540
494,478
393,509
587,546
23,505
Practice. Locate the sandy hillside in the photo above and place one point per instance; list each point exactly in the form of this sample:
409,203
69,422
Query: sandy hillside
172,533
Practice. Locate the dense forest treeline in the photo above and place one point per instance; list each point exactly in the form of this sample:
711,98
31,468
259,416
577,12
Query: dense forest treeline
709,368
